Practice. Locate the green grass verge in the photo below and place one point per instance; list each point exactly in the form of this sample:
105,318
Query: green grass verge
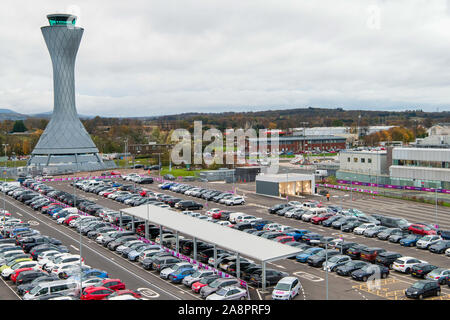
179,172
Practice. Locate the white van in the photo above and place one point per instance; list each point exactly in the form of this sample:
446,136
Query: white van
47,288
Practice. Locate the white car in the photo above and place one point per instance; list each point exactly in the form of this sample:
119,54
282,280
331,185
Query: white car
246,218
295,203
365,226
286,289
147,253
282,228
447,252
404,264
210,212
426,241
101,236
59,261
6,273
271,226
234,201
228,293
48,256
224,223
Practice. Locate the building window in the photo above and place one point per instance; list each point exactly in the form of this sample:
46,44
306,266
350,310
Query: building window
348,159
355,160
369,160
363,160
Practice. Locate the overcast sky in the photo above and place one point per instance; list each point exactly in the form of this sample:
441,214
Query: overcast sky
143,58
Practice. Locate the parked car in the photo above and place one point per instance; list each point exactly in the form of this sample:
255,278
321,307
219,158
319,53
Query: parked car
440,246
335,261
370,254
405,264
347,268
96,293
366,272
426,241
422,269
421,229
217,284
441,275
410,240
422,289
228,293
387,258
286,288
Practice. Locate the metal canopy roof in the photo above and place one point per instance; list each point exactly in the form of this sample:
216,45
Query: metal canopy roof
284,177
224,237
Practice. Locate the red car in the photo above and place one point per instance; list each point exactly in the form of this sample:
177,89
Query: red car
284,239
106,194
67,221
17,272
96,293
126,292
321,217
113,284
421,229
115,173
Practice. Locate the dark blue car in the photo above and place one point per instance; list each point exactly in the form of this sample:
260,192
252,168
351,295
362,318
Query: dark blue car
366,272
302,257
311,238
410,241
180,274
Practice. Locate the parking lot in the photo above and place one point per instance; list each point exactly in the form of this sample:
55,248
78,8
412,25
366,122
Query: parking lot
314,284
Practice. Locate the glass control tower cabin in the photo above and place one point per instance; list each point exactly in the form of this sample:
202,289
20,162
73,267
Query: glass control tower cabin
65,145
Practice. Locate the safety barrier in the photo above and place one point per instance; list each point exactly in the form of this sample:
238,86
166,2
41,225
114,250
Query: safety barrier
391,186
346,188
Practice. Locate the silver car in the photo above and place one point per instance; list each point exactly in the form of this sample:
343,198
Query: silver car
228,293
216,285
188,281
336,261
426,241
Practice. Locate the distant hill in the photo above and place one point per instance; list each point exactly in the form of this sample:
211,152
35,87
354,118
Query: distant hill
8,114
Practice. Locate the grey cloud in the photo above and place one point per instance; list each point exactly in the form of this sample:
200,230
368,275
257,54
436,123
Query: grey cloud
164,57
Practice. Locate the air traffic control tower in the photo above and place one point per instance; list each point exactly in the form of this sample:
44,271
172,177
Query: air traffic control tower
65,145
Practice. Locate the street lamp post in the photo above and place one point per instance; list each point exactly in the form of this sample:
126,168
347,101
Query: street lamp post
436,207
326,268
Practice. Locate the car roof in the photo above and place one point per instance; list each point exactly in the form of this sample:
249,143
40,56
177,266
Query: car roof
288,280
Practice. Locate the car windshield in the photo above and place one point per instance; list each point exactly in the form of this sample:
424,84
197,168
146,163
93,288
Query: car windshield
418,285
283,286
222,292
35,290
334,259
205,280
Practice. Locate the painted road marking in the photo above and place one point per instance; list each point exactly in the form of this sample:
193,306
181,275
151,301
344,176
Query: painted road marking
33,223
308,276
147,292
